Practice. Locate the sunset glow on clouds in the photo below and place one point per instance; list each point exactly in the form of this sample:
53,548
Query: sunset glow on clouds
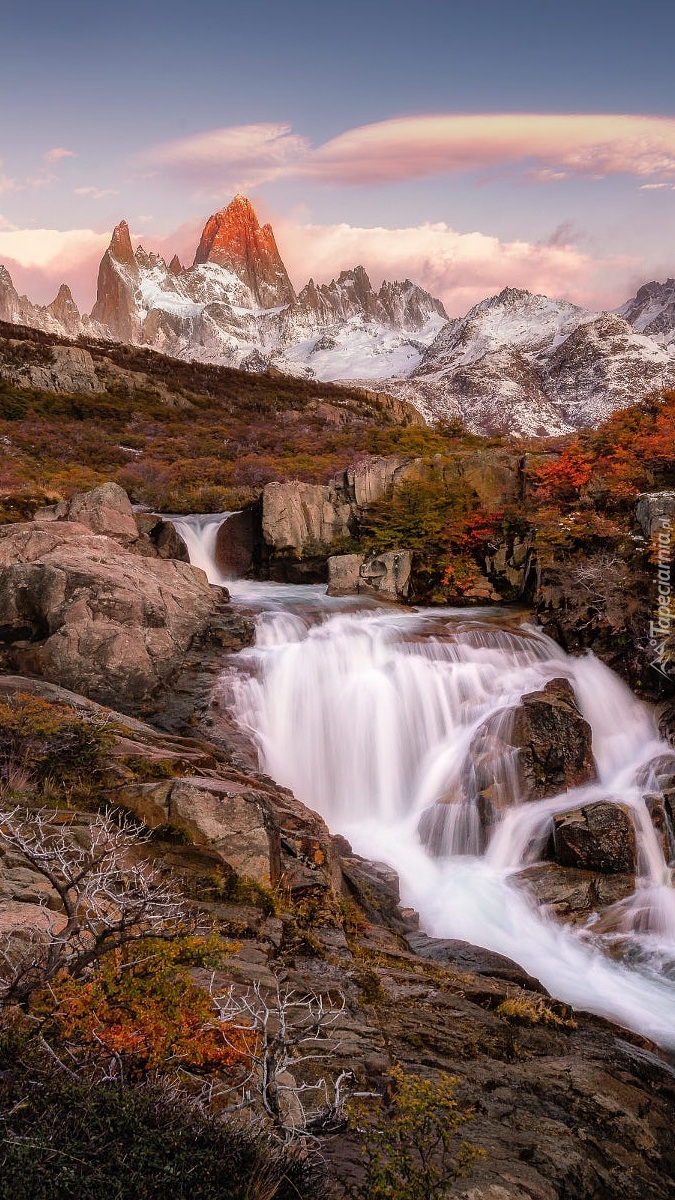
549,147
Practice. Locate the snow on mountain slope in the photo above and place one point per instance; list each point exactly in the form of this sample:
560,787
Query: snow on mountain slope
517,363
652,311
526,364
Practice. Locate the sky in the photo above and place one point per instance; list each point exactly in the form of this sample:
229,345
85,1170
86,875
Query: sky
468,146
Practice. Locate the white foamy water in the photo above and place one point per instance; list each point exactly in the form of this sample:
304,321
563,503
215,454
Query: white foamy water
199,532
369,715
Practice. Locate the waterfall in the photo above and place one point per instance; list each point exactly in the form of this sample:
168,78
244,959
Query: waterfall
199,531
369,717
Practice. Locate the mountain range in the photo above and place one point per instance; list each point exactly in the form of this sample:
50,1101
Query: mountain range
516,363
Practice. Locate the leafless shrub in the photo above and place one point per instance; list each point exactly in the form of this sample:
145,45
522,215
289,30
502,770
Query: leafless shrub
292,1029
101,898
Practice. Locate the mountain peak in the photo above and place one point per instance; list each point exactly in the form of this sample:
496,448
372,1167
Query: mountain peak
120,244
234,239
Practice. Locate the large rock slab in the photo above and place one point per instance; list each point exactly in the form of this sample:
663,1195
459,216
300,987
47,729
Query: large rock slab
84,612
301,518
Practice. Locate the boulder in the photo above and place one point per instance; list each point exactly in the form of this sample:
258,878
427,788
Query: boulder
386,576
83,611
540,748
301,518
236,542
261,832
105,509
344,574
553,741
597,837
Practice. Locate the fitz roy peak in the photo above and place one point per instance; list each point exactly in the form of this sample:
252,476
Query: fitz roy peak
516,363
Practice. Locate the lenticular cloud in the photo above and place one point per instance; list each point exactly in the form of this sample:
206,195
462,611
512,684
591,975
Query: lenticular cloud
546,146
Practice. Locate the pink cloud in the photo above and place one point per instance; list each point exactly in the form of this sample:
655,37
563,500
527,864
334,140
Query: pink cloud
244,154
460,268
40,260
56,154
547,146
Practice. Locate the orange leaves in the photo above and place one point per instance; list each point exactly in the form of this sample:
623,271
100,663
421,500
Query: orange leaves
149,1013
561,479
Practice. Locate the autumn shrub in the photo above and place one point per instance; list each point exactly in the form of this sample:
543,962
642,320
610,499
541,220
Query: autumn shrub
411,1148
64,1137
141,1007
50,742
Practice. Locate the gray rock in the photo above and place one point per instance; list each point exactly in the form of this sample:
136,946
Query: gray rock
655,512
84,612
386,576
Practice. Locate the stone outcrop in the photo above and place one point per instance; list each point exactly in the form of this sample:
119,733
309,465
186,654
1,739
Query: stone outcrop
386,576
81,610
598,837
302,518
654,512
106,509
56,369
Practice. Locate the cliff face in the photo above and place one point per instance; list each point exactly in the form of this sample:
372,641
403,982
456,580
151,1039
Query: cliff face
233,239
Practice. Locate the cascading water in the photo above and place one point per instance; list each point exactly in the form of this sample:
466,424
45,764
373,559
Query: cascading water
369,717
199,532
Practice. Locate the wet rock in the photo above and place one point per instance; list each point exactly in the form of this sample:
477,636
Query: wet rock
540,748
554,742
472,959
82,611
573,895
236,543
597,837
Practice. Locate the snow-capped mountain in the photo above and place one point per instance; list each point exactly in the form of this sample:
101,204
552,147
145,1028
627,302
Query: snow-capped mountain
652,311
530,365
516,363
237,306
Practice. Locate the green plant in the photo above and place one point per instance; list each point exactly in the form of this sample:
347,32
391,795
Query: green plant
70,1138
410,1140
50,743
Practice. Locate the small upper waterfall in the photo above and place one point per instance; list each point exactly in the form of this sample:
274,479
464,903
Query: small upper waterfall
199,531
